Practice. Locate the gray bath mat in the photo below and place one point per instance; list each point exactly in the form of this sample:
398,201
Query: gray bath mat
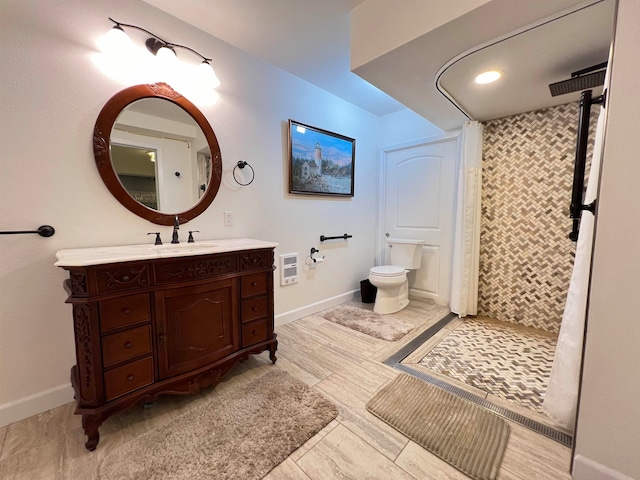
462,434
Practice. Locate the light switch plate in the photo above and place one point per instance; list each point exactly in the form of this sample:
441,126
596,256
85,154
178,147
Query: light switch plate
228,218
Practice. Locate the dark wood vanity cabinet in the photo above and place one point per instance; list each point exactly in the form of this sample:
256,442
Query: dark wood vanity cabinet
165,326
196,326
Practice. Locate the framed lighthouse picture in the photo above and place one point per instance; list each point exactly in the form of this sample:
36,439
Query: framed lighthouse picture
320,162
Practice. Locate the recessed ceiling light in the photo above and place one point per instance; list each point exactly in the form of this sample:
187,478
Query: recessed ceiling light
488,77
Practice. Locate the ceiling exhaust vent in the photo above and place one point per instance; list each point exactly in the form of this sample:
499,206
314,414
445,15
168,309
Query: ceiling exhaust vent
581,80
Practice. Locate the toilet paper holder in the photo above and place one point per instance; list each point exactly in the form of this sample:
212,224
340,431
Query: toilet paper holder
315,260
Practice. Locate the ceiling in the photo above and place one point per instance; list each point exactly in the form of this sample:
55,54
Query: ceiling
530,60
310,39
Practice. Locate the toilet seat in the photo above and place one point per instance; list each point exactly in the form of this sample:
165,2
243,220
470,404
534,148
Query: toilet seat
387,271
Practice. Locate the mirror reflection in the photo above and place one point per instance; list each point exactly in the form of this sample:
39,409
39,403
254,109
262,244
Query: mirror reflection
160,155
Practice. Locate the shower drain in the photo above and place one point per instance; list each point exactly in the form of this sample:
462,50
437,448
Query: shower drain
394,362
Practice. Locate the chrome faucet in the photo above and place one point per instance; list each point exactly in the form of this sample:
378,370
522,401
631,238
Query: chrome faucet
176,227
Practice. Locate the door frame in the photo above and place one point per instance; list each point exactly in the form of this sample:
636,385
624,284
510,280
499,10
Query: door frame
382,178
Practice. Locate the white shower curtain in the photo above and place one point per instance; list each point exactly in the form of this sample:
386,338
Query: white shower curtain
466,249
561,398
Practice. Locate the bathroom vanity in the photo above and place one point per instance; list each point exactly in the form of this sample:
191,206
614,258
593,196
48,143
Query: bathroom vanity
167,319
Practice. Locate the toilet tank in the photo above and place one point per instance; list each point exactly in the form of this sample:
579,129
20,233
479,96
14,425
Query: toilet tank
405,252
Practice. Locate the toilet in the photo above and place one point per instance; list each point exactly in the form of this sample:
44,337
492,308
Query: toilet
391,280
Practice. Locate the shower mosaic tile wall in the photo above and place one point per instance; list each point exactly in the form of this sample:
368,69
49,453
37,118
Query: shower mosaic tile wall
526,256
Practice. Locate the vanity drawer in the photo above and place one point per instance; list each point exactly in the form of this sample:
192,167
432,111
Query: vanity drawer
128,377
254,308
252,285
124,311
194,268
256,259
120,278
122,346
254,332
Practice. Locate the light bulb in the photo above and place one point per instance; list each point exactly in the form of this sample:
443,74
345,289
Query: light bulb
115,40
208,75
166,55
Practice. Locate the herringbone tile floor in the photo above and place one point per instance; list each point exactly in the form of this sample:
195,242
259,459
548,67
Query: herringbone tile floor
500,358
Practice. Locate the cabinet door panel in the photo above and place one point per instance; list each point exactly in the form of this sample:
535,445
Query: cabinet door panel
196,326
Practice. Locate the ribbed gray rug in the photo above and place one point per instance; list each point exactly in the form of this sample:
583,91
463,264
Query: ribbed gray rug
462,434
384,327
241,434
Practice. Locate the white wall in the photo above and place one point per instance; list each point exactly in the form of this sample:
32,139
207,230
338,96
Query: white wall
608,431
51,93
405,126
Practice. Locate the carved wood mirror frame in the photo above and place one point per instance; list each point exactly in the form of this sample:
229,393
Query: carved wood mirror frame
102,152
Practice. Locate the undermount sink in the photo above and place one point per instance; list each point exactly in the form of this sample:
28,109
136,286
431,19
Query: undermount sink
183,247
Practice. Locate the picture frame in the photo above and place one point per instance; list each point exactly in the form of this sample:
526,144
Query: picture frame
320,162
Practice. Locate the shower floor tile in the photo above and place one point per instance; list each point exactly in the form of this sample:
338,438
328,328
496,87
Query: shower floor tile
503,359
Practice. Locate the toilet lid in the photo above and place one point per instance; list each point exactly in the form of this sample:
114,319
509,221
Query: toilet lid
387,271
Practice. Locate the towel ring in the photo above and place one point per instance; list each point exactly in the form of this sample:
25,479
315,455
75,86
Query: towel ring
241,164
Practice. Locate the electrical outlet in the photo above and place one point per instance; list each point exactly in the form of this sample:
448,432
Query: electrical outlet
228,218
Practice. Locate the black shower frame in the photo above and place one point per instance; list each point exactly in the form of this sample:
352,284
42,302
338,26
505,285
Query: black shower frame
576,207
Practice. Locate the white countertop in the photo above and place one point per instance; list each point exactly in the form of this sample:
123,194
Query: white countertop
81,257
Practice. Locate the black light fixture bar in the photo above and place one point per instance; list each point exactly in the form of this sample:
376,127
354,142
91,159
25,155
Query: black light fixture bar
153,46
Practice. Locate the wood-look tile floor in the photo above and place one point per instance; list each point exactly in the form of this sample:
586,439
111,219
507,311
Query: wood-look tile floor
343,364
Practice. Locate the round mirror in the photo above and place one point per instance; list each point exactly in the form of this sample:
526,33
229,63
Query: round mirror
157,154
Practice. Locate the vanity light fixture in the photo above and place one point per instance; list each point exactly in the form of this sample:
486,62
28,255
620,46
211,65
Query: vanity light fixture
163,50
488,77
117,38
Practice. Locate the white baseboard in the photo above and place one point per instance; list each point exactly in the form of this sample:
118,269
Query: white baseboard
40,402
429,296
301,312
586,469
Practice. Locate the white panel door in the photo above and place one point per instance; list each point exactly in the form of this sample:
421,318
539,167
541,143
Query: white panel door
419,204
